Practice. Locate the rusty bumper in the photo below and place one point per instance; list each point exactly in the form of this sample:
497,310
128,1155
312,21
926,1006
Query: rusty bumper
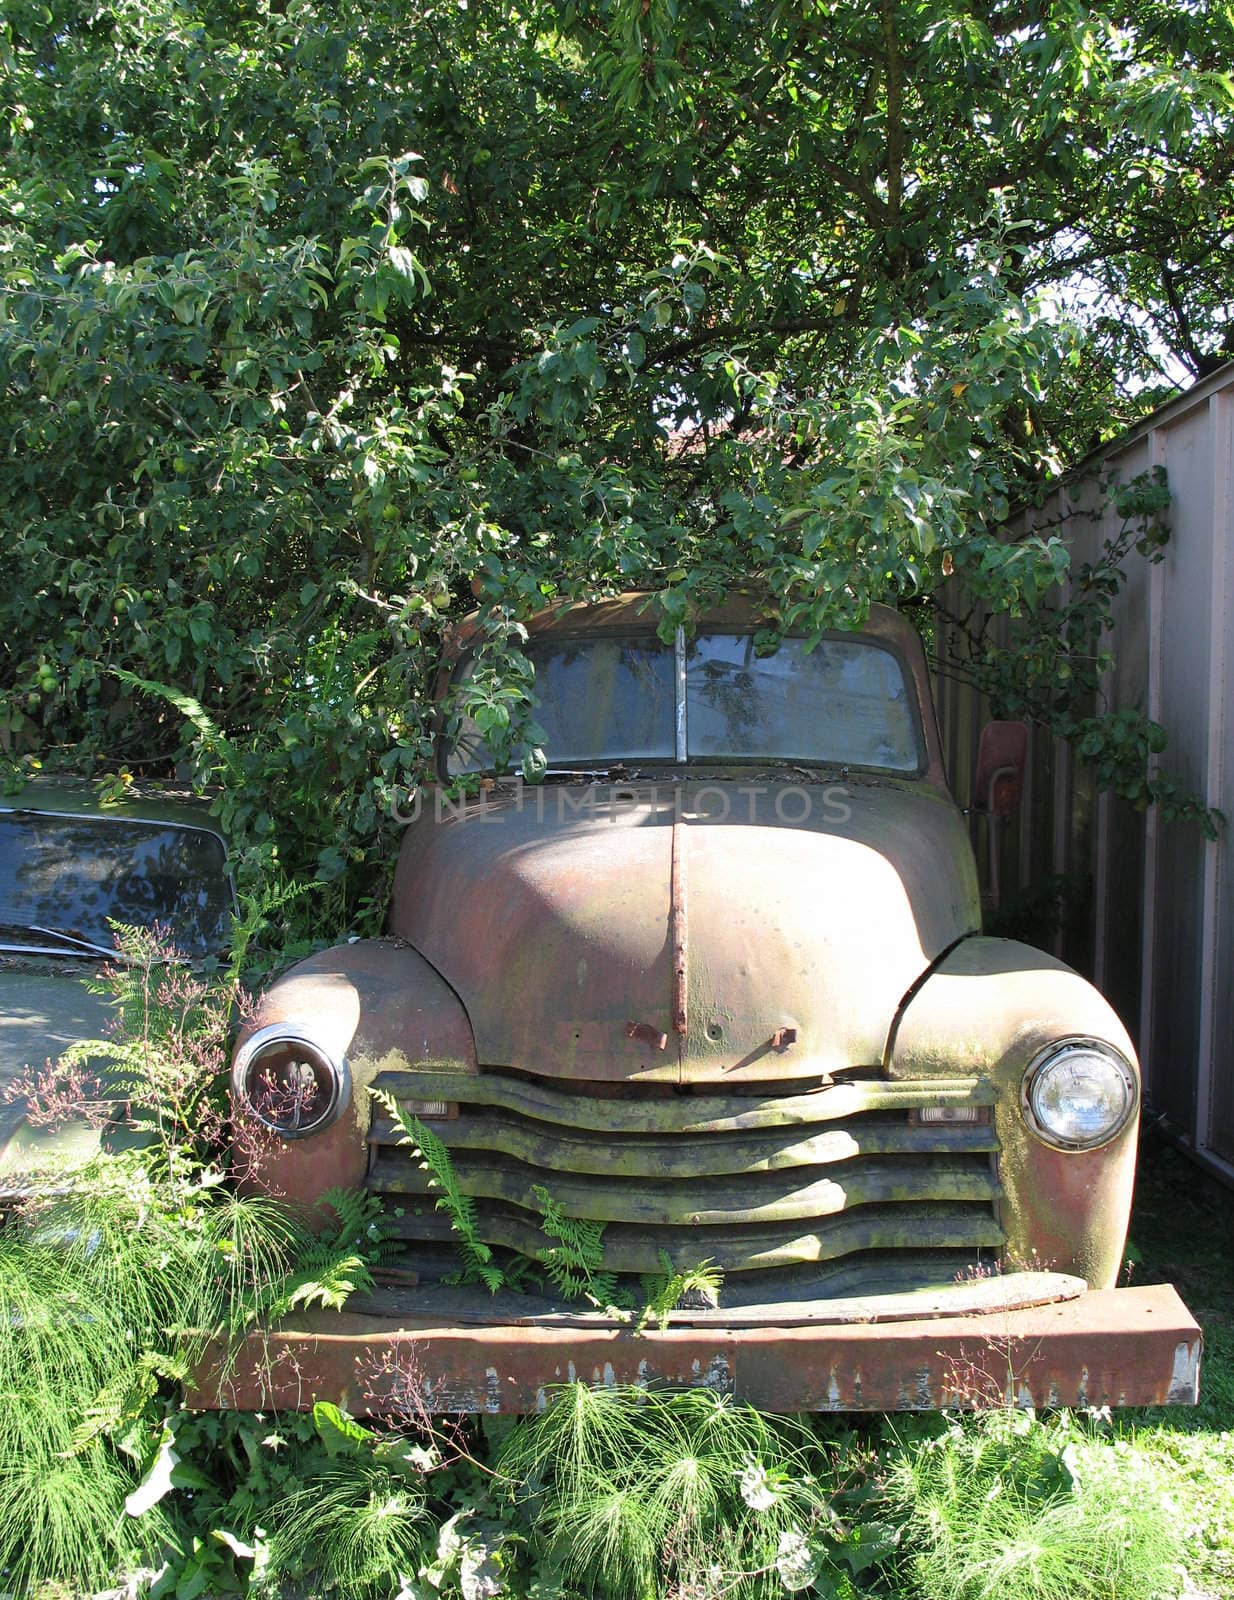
1117,1347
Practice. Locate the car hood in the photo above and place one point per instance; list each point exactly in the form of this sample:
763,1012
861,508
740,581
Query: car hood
802,914
44,1007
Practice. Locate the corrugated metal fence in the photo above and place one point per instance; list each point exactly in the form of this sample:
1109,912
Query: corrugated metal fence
1144,907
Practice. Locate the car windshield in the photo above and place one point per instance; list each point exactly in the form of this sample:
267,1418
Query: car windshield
64,879
846,702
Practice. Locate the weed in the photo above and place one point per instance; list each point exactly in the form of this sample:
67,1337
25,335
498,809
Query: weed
1004,1506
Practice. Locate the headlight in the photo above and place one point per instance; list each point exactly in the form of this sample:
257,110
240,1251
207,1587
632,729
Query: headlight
289,1083
1078,1094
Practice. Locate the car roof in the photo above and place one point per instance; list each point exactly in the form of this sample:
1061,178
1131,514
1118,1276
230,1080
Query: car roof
63,795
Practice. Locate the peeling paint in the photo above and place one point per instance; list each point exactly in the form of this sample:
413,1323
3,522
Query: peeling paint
1185,1377
718,1376
1149,1341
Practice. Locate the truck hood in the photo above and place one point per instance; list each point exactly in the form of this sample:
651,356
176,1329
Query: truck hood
804,913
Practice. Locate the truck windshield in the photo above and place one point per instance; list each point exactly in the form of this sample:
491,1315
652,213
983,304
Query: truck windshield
602,700
844,702
63,880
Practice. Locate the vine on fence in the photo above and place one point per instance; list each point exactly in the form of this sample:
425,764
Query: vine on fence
1052,668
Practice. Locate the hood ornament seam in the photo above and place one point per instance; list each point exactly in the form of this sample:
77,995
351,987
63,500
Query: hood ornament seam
679,936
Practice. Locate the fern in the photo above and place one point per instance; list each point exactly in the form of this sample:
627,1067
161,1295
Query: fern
255,912
574,1262
121,1403
478,1263
211,735
665,1290
337,1262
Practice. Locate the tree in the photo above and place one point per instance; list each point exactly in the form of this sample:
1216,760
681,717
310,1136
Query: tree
316,316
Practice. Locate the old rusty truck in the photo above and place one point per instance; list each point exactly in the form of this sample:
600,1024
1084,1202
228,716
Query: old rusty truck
718,982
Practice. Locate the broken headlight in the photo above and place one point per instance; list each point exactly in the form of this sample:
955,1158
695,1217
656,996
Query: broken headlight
289,1083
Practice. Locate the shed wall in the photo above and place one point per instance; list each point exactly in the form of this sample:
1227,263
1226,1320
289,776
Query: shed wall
1155,924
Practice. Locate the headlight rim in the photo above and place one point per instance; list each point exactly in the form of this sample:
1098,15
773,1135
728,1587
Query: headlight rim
293,1034
1048,1053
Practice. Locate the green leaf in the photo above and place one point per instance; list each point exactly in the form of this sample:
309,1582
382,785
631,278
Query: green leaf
157,1481
341,1435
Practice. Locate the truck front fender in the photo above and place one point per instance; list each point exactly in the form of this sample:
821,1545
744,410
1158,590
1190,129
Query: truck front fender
380,1006
989,1007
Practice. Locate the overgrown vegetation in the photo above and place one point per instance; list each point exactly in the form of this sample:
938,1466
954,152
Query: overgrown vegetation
116,1276
1050,668
316,326
1020,1509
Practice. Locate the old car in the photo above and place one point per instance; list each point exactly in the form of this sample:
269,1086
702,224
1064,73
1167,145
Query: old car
718,983
70,867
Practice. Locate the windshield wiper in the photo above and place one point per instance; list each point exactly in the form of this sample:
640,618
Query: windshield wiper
75,941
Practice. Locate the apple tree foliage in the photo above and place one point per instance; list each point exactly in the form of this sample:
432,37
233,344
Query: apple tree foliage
319,317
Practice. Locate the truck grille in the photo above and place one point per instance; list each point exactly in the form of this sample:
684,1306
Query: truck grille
765,1178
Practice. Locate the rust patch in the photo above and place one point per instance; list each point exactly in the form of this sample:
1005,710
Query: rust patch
1109,1347
647,1033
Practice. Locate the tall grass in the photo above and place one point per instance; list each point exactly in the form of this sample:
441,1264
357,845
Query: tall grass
105,1290
635,1494
1007,1507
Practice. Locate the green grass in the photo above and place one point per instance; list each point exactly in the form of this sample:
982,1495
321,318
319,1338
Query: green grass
1183,1233
1010,1507
104,1291
633,1495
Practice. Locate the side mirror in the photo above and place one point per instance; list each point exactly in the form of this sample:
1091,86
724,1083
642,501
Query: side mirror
1002,755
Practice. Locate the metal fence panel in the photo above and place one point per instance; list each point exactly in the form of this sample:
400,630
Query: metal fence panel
1157,924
